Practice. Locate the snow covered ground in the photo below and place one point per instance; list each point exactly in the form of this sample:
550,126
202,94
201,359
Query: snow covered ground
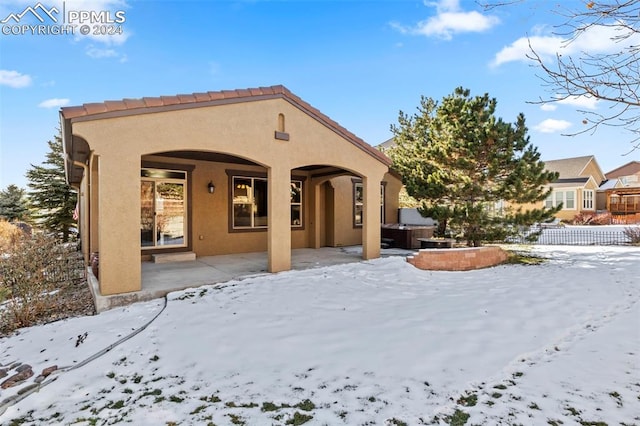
375,342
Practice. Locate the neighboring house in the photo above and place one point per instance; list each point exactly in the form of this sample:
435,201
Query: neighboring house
622,190
576,187
220,173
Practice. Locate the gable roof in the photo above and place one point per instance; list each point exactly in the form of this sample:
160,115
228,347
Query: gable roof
579,182
569,167
388,144
610,184
128,107
631,168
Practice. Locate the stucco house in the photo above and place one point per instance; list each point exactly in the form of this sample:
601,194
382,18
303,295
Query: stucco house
220,173
576,187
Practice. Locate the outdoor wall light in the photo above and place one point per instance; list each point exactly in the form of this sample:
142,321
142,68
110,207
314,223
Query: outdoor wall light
211,187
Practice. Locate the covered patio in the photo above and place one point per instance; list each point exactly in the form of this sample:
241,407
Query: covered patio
159,279
214,174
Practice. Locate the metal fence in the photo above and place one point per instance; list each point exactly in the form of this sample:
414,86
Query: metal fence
575,237
67,267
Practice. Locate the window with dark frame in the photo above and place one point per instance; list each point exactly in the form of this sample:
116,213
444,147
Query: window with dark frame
249,199
296,203
358,203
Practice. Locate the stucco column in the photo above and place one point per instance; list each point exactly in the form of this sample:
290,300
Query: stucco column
93,204
119,224
371,226
315,205
279,212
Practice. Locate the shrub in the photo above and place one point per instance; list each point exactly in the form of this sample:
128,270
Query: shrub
9,235
633,233
592,219
32,271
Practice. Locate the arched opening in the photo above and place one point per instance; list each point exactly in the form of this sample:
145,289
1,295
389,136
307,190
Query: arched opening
205,202
330,209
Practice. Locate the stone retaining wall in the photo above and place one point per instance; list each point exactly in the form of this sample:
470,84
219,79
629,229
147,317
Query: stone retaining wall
458,259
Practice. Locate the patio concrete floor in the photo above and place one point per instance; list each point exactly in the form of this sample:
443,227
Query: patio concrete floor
159,279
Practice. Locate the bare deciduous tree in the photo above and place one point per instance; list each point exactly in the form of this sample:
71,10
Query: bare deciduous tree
584,67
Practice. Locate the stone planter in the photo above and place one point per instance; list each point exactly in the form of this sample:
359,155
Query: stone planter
458,259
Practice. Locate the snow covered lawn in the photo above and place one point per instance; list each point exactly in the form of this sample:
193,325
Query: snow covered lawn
376,342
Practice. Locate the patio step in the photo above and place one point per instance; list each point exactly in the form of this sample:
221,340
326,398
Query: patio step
186,256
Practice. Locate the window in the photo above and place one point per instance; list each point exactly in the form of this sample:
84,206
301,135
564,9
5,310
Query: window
163,208
382,188
249,203
296,203
587,199
567,198
358,203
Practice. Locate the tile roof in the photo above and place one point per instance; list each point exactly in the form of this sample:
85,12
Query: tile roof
162,103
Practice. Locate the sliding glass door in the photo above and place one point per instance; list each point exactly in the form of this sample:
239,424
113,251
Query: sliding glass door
163,208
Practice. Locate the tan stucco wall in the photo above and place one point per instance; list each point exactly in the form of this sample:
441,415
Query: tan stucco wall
210,212
392,199
344,233
242,129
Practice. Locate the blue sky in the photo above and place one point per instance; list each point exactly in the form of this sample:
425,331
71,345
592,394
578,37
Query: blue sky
359,62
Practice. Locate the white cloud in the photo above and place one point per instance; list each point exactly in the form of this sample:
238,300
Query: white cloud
582,102
54,103
552,126
450,19
98,53
14,79
595,40
101,53
519,49
587,102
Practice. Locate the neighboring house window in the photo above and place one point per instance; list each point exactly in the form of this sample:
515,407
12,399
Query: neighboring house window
587,199
163,209
496,208
250,209
567,198
358,203
548,202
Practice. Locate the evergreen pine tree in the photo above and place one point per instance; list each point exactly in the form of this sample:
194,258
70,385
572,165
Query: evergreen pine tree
51,200
460,162
13,204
